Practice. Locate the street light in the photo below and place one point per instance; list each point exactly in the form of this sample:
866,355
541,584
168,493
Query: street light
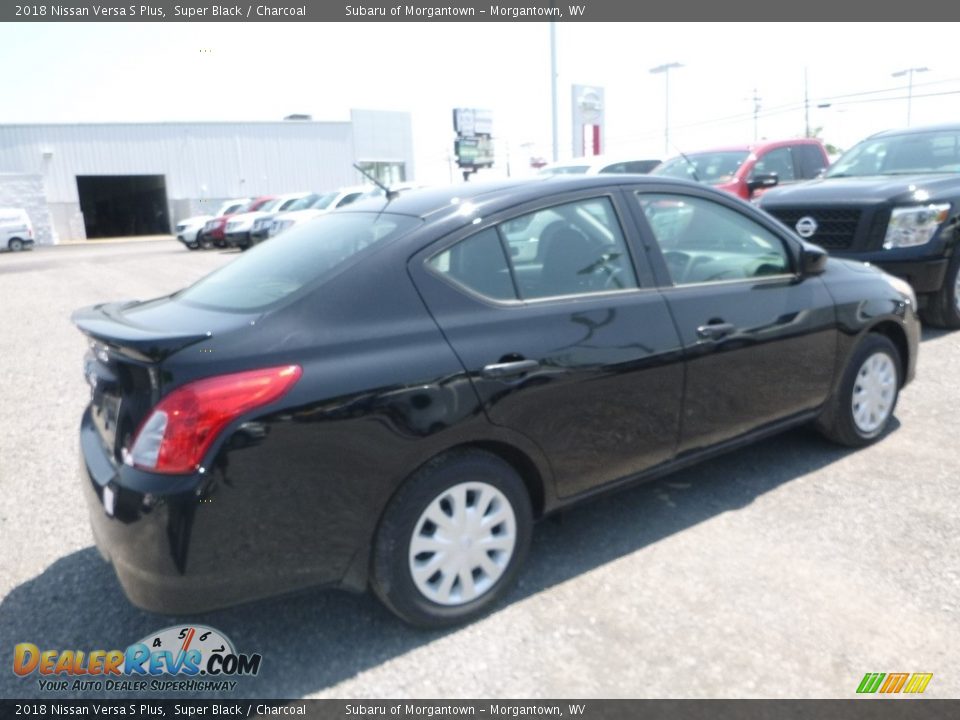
909,73
665,69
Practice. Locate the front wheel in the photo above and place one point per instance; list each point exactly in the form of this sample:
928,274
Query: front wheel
452,539
861,409
943,307
15,245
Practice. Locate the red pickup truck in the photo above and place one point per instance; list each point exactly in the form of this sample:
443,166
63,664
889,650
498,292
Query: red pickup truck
748,170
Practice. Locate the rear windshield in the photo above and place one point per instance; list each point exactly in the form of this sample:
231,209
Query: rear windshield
908,154
306,254
709,167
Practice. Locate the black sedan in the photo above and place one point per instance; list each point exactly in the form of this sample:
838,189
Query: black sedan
389,396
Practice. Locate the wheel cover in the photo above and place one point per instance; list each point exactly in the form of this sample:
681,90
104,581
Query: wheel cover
874,392
462,543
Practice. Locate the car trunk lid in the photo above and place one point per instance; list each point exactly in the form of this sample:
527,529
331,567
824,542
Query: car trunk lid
129,344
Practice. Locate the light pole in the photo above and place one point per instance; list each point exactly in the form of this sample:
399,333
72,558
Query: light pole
909,73
665,69
553,89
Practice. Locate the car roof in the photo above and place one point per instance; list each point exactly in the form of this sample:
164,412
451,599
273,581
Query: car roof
751,147
499,194
598,161
918,130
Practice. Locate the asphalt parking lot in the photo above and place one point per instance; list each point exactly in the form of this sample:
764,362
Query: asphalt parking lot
788,569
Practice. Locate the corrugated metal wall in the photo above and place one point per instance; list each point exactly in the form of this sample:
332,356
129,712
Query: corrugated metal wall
202,160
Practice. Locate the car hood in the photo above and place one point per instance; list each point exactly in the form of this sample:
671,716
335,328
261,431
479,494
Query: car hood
246,219
871,190
196,220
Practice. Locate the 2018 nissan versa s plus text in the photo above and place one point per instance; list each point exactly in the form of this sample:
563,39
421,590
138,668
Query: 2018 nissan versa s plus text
388,396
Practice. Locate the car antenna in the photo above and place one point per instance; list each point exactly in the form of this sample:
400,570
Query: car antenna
391,194
693,168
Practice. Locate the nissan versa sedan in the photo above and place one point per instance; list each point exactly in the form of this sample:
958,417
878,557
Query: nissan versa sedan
389,396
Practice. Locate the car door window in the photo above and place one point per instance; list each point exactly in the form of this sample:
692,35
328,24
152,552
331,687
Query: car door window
779,161
703,241
812,161
571,249
580,248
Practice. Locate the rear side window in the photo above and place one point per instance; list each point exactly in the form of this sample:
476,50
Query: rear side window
478,263
303,255
573,249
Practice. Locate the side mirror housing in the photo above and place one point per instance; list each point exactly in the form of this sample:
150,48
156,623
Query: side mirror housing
813,259
764,181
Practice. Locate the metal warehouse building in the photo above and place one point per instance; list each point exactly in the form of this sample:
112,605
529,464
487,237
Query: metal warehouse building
115,179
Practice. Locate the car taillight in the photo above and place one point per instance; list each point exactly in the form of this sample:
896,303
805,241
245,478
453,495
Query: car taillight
181,428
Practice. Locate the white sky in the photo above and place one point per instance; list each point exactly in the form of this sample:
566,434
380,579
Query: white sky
102,72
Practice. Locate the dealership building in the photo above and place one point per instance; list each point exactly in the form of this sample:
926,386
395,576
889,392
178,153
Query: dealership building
80,181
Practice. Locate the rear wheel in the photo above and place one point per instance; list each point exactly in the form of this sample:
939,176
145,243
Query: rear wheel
15,245
452,539
861,409
204,241
943,307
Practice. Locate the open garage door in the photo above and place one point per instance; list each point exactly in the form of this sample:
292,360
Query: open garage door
122,205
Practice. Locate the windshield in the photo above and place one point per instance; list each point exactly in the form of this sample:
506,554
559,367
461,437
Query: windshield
306,253
270,206
304,202
921,152
709,167
322,202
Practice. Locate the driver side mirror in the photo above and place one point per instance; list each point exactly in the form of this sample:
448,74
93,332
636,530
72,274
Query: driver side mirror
813,260
763,180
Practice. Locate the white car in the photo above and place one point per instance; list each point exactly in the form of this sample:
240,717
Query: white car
189,229
320,204
16,230
596,164
239,228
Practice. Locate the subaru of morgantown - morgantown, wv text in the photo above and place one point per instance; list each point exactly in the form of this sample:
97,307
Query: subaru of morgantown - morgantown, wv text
388,396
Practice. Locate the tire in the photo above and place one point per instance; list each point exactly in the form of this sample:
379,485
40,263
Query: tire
192,246
943,307
15,245
445,596
861,409
204,241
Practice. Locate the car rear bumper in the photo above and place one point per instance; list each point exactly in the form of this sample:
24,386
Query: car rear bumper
184,548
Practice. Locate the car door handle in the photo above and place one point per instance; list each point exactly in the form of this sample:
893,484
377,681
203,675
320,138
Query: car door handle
715,331
509,369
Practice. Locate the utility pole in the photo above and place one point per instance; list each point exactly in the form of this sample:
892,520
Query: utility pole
806,105
909,73
756,112
665,70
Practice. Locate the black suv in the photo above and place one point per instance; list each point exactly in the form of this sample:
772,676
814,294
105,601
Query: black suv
892,200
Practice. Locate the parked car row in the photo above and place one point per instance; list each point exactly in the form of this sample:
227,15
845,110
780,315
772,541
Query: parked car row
244,222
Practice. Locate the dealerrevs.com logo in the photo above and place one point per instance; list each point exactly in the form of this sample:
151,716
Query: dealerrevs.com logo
200,657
